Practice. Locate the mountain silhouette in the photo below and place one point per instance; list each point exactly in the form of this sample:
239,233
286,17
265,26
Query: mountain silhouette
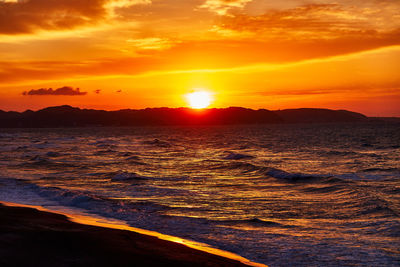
67,116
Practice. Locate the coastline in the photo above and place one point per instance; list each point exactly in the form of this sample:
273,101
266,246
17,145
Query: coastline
36,236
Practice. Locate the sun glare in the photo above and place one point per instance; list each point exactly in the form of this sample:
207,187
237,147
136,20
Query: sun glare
199,99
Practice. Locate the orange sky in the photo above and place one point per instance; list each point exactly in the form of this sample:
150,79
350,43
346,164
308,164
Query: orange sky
342,54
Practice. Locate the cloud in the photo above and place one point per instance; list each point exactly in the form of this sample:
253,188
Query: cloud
291,92
97,91
221,7
23,71
114,5
200,55
66,90
29,16
318,21
150,43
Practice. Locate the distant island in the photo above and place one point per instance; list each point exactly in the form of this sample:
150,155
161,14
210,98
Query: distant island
67,116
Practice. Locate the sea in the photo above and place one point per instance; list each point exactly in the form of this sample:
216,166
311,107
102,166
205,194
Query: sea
281,195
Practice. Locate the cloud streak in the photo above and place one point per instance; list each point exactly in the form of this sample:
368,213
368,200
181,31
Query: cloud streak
63,91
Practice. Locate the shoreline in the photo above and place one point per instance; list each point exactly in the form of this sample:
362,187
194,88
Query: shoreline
99,241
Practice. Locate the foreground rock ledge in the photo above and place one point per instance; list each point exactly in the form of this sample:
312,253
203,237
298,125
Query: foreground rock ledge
29,237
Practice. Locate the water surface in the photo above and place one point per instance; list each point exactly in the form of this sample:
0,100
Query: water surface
282,195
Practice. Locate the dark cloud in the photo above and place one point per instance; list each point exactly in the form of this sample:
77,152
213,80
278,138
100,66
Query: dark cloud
66,90
30,15
98,91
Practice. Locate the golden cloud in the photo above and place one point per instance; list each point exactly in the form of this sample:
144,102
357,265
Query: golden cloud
21,17
221,7
318,21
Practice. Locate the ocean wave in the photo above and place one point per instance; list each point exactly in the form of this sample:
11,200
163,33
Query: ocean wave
253,222
380,170
133,161
281,174
89,201
236,156
22,148
128,155
390,147
66,139
365,176
378,210
366,145
157,142
243,167
340,153
126,176
335,179
6,135
39,161
250,168
377,206
103,142
43,145
327,189
392,230
104,152
131,158
19,189
53,154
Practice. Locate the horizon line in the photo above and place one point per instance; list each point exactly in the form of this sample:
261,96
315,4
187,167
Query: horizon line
197,110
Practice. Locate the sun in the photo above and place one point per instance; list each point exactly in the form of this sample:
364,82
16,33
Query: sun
199,99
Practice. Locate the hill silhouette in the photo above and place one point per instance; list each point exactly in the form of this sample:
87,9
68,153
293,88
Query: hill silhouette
313,115
67,116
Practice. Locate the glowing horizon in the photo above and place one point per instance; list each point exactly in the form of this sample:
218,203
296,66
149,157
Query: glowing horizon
151,53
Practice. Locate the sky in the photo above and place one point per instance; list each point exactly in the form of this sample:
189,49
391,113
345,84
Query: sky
116,54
